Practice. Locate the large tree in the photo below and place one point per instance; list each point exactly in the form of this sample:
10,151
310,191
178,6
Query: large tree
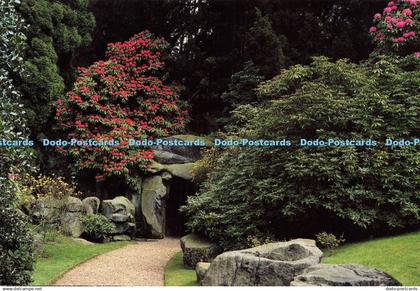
57,29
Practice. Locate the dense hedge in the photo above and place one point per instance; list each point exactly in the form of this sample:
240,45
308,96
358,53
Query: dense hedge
296,190
16,259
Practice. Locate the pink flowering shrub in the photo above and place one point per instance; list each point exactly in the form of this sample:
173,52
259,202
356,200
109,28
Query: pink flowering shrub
396,29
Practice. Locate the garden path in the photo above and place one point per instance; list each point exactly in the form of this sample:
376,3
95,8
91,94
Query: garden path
138,264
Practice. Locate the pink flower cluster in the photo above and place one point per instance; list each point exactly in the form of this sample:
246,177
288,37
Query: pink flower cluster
404,37
396,25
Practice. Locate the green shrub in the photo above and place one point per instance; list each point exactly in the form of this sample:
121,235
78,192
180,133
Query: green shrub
16,248
329,240
97,227
290,191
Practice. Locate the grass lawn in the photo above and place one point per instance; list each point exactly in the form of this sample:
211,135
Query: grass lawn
398,256
176,274
65,253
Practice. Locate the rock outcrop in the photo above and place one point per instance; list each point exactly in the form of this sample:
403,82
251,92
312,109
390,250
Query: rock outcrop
274,264
121,212
343,275
201,270
70,219
91,205
196,249
152,205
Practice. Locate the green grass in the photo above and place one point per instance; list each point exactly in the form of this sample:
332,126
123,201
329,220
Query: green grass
65,253
176,274
398,256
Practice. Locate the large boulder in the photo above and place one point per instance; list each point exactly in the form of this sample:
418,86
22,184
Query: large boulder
274,264
118,205
343,275
45,211
198,249
74,204
152,205
91,205
70,224
170,154
121,212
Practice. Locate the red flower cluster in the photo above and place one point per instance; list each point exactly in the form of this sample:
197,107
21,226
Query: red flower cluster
121,98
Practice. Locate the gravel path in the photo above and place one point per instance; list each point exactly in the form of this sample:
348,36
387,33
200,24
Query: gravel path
140,264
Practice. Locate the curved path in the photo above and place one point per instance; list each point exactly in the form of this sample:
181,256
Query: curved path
139,264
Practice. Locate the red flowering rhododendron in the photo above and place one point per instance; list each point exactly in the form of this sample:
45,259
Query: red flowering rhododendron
119,99
396,29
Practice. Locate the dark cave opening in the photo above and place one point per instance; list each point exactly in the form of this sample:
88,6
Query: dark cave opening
179,190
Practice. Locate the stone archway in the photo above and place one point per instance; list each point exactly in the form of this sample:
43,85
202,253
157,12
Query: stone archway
162,195
167,188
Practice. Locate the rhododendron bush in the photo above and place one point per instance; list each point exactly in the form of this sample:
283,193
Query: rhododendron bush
120,98
396,29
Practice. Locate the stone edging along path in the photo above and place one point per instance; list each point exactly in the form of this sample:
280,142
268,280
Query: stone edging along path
138,264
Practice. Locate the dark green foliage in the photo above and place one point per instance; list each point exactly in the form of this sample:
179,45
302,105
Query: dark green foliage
264,47
16,248
328,240
241,89
303,190
212,40
97,227
57,29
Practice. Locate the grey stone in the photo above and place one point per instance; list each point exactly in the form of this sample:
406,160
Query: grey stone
136,200
83,241
155,167
91,205
198,249
117,217
121,237
166,176
184,171
125,228
152,205
200,270
42,210
165,157
38,243
343,275
74,204
274,264
118,205
121,212
70,224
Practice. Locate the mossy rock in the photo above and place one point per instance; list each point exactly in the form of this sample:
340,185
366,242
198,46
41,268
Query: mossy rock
200,270
121,237
152,205
198,249
184,171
